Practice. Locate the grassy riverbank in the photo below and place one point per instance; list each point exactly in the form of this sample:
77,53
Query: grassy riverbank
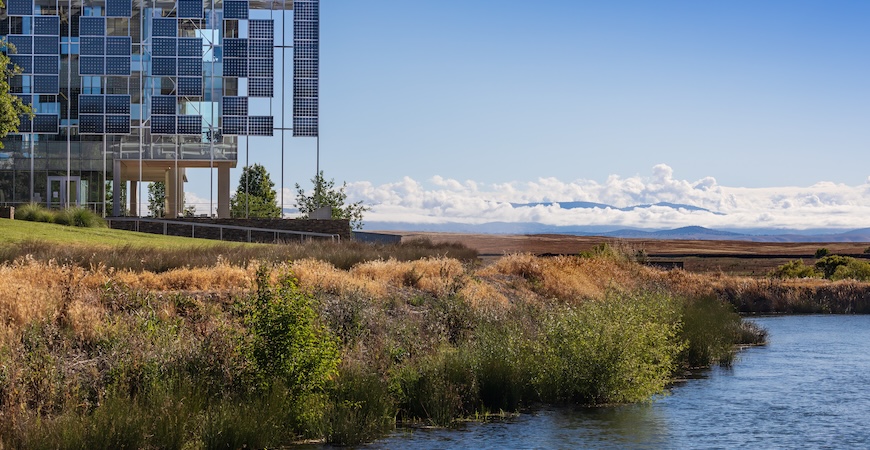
209,346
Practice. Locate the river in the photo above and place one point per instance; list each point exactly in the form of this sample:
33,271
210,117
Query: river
808,388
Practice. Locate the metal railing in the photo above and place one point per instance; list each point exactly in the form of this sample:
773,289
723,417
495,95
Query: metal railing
300,235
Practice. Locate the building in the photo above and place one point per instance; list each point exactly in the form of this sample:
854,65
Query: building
127,92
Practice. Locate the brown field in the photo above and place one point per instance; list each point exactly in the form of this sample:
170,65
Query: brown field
729,257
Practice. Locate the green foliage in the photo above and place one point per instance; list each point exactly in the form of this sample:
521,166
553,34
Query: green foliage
795,269
829,264
157,199
325,194
710,329
821,253
361,407
286,340
255,196
11,107
76,216
854,269
34,212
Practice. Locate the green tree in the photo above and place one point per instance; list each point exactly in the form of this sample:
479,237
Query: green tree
255,195
325,194
11,107
157,198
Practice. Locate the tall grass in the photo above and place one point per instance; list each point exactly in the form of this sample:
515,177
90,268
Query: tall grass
74,216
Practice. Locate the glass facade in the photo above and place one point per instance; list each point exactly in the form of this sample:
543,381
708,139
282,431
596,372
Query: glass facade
117,84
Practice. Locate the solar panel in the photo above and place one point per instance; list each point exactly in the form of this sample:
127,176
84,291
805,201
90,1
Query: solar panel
46,84
91,124
118,124
26,99
190,86
91,104
163,104
49,25
119,8
235,67
190,9
92,26
235,106
19,7
46,45
261,29
46,123
163,66
305,126
25,62
119,45
118,104
189,67
92,65
189,124
235,48
260,48
92,45
23,44
261,87
235,9
118,65
233,125
47,65
261,67
162,124
167,27
164,47
25,124
190,47
260,126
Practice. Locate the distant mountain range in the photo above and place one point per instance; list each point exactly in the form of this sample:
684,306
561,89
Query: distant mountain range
592,205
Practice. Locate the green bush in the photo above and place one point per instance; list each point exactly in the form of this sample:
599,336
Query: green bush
711,329
34,212
795,269
79,217
361,407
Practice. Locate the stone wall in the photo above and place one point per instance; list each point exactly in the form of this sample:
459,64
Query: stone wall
189,228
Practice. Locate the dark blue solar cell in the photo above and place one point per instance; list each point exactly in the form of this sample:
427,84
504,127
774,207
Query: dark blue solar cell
261,67
118,104
91,104
24,62
49,25
23,44
46,84
26,99
163,104
234,125
190,86
305,50
235,10
305,126
119,46
46,45
190,47
260,126
119,8
190,9
91,124
118,124
235,48
261,29
19,7
235,106
164,47
235,67
118,65
162,124
92,65
46,123
189,67
167,27
163,67
260,48
92,45
92,26
260,87
25,125
189,124
48,65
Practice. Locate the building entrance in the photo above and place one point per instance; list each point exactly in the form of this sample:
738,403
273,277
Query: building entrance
64,192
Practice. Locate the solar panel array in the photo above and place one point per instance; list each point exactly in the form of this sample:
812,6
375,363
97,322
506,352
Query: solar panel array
306,67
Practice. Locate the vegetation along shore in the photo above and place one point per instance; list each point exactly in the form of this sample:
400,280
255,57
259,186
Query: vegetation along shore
193,344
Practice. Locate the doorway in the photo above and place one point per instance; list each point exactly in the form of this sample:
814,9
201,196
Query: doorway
63,192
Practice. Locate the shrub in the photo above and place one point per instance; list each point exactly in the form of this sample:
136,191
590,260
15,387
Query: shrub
822,252
711,328
34,212
361,407
795,269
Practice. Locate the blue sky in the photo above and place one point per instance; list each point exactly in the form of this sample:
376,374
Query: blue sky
758,98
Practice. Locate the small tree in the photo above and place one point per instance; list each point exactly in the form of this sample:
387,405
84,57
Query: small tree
255,196
157,198
11,106
324,195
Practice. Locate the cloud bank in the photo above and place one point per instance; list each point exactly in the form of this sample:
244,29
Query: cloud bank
443,200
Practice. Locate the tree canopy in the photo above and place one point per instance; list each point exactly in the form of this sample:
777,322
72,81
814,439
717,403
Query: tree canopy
11,107
255,196
325,194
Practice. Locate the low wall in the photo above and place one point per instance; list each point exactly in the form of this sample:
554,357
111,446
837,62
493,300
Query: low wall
7,212
339,227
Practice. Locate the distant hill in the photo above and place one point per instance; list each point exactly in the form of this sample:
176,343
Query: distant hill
592,205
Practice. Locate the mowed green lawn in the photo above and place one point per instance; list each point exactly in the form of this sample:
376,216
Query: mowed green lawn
14,231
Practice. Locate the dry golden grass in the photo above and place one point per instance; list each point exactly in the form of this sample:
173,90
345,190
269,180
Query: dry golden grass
436,276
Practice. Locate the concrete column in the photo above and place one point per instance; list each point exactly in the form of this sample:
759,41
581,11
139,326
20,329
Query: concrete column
179,190
134,198
223,187
116,188
169,210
